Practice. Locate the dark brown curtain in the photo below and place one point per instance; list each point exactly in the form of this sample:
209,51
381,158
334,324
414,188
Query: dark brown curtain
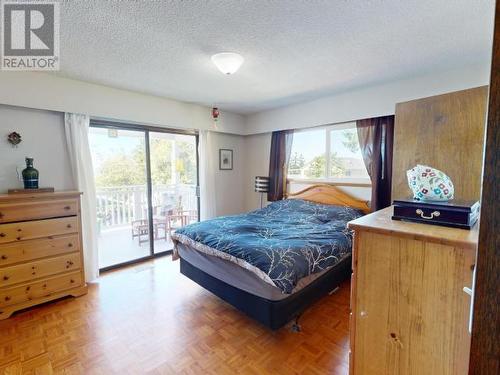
376,138
281,147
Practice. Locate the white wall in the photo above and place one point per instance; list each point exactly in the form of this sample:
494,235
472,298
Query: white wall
46,91
43,139
230,195
366,102
257,149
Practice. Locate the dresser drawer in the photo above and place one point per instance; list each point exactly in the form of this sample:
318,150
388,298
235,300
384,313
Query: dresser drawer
36,229
22,251
11,212
39,289
40,268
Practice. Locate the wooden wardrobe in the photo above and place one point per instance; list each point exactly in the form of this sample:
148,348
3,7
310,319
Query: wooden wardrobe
409,308
445,132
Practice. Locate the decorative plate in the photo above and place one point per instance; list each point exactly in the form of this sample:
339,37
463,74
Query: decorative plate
14,138
429,183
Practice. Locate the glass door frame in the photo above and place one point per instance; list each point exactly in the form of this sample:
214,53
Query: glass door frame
145,129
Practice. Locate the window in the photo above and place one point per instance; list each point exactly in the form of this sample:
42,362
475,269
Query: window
327,153
308,157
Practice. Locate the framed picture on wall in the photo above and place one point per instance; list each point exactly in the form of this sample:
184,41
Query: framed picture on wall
225,159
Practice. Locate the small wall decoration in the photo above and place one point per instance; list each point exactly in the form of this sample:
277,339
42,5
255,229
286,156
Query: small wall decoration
225,159
429,183
215,114
14,139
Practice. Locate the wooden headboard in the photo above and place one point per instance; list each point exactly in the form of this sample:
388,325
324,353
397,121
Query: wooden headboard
328,194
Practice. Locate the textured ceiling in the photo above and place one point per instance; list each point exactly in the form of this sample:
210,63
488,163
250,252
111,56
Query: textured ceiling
294,50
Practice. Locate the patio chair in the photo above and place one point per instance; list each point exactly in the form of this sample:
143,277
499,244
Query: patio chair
178,218
190,216
140,228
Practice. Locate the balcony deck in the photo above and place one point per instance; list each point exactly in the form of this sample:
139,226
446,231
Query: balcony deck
116,245
120,207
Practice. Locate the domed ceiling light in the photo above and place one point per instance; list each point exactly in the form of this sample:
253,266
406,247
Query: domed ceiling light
228,62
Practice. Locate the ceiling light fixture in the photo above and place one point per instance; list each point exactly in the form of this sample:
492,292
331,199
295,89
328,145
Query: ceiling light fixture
228,62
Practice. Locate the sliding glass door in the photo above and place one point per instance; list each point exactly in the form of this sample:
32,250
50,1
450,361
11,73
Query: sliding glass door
174,184
146,186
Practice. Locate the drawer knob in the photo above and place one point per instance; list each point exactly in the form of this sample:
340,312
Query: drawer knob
432,216
1,215
68,226
4,257
72,281
67,207
2,234
7,298
6,277
70,245
18,238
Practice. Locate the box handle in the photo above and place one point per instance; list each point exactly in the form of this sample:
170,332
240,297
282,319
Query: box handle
433,214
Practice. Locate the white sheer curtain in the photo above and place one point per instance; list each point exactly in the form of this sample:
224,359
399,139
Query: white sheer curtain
208,163
77,141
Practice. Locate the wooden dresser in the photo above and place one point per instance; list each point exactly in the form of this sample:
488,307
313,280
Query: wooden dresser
41,255
409,312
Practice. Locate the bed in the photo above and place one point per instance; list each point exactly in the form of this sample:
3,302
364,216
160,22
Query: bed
274,262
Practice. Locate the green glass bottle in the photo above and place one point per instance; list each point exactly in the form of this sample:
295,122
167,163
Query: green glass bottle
30,175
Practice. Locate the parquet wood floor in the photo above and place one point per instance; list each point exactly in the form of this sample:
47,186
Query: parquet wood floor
149,319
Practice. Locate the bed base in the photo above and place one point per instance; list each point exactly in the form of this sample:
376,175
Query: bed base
273,314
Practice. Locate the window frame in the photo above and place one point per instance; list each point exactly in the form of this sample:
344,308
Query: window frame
345,181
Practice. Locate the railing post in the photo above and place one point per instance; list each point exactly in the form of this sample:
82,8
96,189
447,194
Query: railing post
137,204
112,206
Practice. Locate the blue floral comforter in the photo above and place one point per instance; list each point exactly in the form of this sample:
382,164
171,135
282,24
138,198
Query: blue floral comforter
281,243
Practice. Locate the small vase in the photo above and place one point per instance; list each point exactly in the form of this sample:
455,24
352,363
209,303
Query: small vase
30,175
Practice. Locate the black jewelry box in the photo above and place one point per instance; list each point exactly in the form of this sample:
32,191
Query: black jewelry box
455,213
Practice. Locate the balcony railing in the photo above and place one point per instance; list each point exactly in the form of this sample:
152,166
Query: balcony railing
118,206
